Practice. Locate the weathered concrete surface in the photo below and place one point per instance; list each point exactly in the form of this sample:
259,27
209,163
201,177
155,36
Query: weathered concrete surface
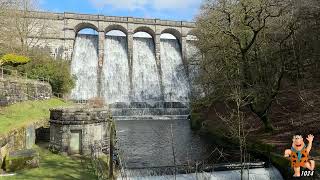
91,123
16,90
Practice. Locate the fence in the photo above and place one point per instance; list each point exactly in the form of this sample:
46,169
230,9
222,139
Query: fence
10,73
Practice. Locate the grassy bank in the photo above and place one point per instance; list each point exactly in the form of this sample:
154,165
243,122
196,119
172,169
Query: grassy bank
55,166
21,114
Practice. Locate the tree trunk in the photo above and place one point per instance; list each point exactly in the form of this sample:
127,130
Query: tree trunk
263,117
267,124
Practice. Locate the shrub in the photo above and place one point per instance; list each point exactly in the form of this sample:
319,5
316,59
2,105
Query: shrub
44,66
14,59
196,120
39,64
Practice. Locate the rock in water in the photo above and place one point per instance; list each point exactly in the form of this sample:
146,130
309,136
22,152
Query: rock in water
22,159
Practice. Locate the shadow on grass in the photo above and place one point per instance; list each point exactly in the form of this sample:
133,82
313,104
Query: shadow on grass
54,166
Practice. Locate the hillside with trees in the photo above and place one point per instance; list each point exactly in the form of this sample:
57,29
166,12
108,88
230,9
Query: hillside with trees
259,70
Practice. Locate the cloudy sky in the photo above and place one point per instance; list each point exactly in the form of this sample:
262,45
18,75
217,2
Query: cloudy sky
162,9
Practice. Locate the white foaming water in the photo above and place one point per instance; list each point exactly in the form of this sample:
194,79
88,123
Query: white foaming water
146,86
254,174
84,66
194,56
115,73
175,82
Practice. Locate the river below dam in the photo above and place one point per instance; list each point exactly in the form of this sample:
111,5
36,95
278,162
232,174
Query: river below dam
159,149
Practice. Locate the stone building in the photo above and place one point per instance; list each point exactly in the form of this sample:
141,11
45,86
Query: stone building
79,130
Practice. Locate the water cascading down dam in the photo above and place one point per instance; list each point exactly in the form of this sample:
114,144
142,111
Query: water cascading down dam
150,94
149,100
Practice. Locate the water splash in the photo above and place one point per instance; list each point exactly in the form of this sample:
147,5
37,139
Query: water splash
175,82
194,56
146,85
115,73
84,66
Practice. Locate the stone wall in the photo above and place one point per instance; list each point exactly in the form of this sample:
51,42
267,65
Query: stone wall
92,123
14,90
18,139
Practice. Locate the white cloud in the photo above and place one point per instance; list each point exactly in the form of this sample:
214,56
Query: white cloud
174,4
120,4
142,4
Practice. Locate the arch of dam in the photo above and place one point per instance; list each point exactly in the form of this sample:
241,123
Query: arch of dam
61,37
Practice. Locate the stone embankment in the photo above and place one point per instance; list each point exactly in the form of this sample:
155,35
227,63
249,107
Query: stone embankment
13,90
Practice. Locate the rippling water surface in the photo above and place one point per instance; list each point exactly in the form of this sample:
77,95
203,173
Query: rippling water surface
149,149
153,143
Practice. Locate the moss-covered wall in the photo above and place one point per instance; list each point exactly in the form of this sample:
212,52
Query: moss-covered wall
14,90
21,138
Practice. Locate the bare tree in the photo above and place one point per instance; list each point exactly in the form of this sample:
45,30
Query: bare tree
237,127
21,26
249,36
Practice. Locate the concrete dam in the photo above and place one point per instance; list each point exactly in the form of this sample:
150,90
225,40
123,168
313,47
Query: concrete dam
148,85
146,81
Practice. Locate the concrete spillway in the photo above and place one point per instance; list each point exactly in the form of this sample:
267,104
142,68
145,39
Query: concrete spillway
145,77
175,82
146,72
84,66
115,83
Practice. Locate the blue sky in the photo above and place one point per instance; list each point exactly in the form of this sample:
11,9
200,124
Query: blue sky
162,9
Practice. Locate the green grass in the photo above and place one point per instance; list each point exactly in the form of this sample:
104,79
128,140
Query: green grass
55,167
21,114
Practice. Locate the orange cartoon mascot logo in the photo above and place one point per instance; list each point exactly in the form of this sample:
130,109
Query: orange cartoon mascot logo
299,154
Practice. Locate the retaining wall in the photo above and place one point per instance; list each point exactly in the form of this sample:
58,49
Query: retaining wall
14,90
